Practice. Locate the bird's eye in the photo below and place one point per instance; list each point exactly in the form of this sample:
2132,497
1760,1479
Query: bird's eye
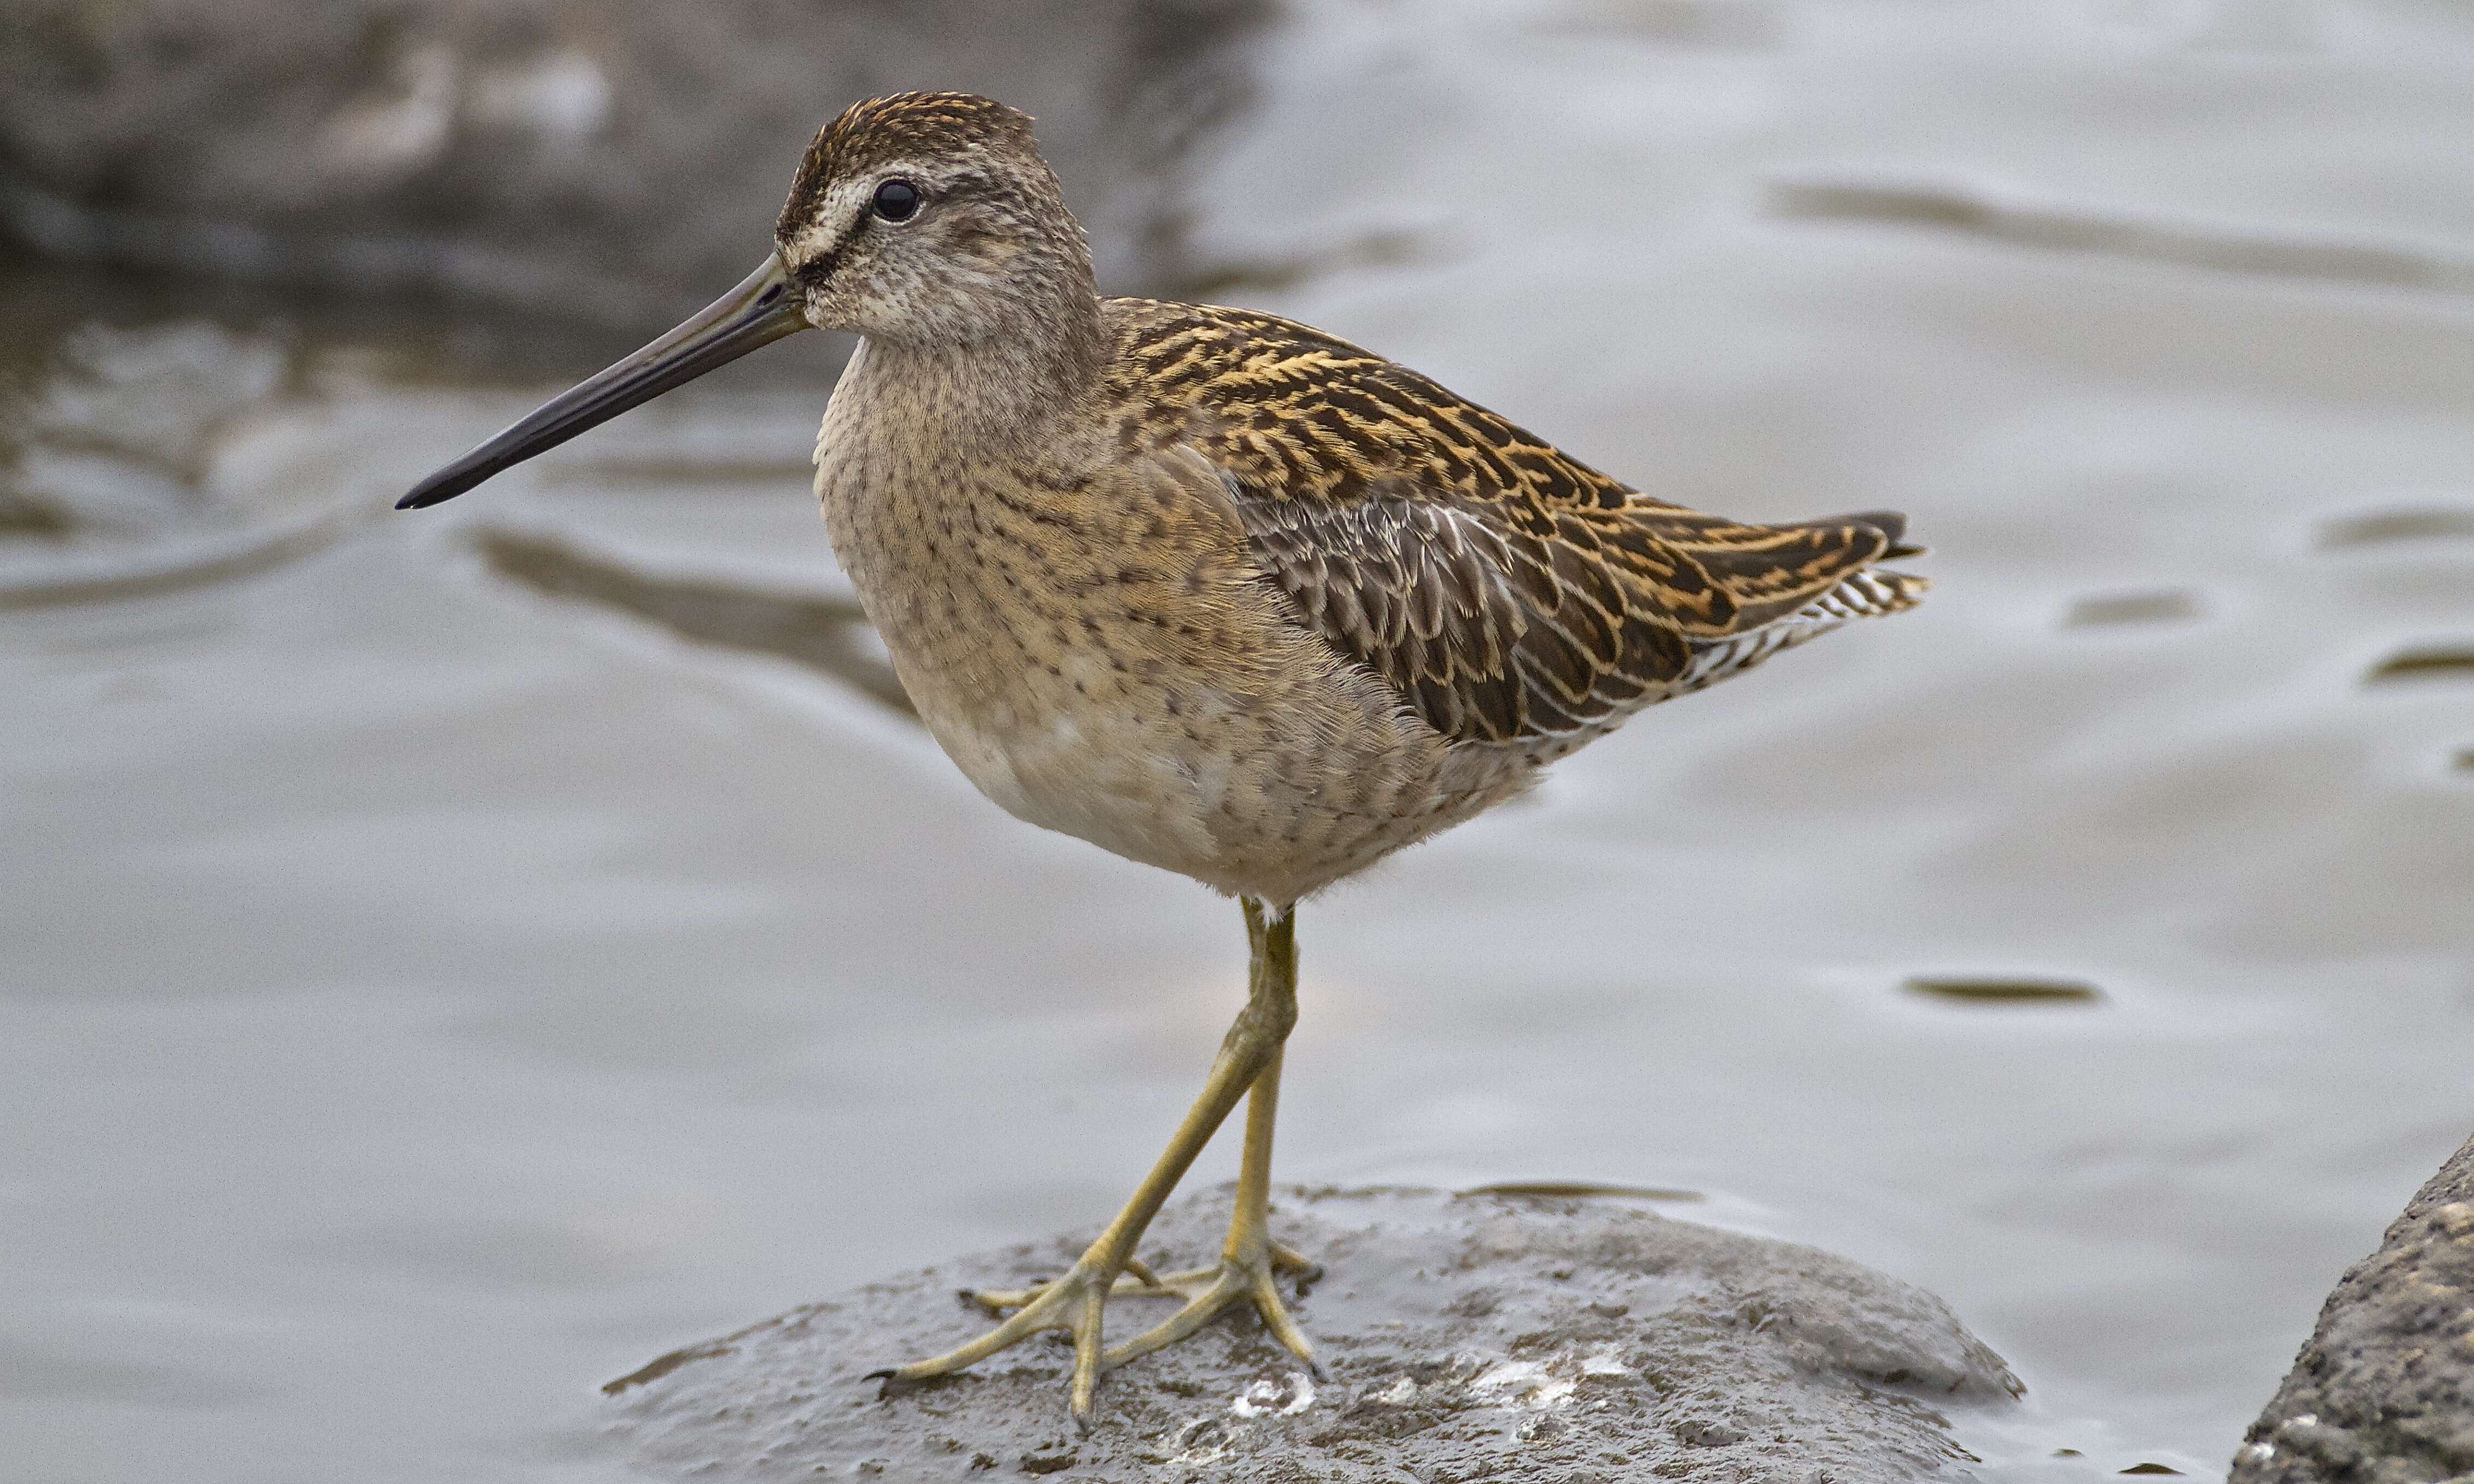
896,201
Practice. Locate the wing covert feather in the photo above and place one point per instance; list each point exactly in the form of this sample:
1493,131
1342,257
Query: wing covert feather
1507,592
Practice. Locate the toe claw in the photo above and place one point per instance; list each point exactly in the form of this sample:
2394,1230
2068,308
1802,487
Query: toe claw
1068,1310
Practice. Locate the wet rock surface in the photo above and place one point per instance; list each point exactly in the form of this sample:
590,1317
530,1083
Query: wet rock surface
2384,1391
1464,1337
623,160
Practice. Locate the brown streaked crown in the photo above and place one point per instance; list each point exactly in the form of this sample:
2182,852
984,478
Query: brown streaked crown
877,131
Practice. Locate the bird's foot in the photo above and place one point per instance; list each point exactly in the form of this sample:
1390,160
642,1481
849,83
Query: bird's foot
1140,1282
1189,1283
1136,1279
1072,1303
1247,1271
1206,1291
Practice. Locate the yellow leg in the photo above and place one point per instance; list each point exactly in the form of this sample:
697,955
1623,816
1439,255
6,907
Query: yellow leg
1074,1302
1250,1261
1254,1206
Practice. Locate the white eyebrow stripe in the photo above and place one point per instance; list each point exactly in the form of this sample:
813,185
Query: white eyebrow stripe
834,221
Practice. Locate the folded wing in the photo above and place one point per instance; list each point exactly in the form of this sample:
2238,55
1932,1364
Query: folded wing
1509,593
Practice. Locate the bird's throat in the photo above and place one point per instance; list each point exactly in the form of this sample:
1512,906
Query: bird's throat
985,396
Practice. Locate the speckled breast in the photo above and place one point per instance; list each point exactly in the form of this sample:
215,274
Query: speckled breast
1098,656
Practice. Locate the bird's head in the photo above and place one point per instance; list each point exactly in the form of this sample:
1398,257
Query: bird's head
930,218
920,219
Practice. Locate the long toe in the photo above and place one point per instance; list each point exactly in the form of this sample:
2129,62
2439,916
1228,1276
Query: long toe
1072,1303
1137,1278
1211,1290
1195,1282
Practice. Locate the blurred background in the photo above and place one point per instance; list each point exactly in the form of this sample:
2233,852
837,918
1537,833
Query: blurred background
447,959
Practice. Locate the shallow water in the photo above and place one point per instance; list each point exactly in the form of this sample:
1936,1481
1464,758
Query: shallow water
453,959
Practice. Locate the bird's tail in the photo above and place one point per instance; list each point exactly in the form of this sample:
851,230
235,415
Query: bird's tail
1892,525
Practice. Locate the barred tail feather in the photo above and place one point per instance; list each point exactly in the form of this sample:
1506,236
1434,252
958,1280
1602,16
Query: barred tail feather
1867,594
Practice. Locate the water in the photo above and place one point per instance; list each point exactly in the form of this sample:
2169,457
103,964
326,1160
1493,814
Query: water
452,959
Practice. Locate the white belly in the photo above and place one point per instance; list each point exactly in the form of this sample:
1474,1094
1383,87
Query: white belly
1091,772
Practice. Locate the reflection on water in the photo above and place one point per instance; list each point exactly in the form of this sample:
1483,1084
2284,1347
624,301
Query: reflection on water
2424,662
118,437
2109,609
1994,991
1579,1190
829,634
1988,212
157,433
2405,524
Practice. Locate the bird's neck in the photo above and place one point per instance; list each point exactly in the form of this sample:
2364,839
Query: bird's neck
996,390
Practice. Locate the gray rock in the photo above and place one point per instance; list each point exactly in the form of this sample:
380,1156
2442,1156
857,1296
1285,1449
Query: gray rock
1466,1337
2383,1392
624,159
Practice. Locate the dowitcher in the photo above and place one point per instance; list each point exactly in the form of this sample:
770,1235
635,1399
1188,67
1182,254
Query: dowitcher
1208,588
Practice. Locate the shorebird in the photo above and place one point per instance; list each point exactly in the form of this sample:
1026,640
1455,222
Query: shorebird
1205,587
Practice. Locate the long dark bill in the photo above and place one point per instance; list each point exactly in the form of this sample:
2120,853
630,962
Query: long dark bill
760,310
